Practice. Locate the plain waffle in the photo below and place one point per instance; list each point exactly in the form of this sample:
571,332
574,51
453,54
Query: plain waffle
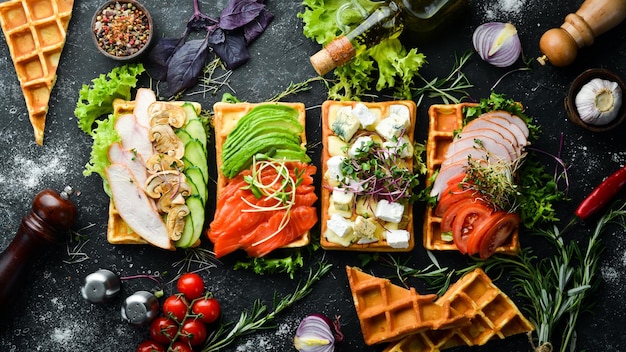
493,313
444,120
226,116
388,312
35,31
330,110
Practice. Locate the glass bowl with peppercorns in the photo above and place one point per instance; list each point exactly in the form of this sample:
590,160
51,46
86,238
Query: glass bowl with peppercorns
122,29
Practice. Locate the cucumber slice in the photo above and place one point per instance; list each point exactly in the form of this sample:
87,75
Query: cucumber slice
195,155
196,129
196,212
184,135
188,234
198,184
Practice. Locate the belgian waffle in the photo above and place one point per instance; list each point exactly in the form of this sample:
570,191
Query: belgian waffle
381,110
35,31
444,120
493,313
388,312
224,121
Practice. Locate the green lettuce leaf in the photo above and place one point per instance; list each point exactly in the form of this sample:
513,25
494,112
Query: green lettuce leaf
97,100
103,136
387,65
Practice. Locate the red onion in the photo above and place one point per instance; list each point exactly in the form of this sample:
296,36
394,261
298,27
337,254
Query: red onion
317,333
497,43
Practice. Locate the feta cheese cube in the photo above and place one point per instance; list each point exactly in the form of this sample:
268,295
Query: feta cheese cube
393,126
334,175
399,109
345,124
339,225
358,146
397,238
401,147
342,200
365,116
389,211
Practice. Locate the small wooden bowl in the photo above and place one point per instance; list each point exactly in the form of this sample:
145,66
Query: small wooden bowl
578,83
124,44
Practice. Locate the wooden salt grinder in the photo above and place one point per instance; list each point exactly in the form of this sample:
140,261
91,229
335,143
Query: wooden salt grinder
51,216
594,17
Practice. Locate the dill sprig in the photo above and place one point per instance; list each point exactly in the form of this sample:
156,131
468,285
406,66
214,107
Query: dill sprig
446,88
259,316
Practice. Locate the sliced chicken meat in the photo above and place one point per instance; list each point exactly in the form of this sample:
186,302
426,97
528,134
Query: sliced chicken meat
134,136
504,129
483,137
118,155
143,99
136,208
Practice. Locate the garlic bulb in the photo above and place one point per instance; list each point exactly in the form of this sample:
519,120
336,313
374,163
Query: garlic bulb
599,101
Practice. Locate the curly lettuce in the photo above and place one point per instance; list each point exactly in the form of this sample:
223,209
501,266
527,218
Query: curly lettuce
387,65
96,100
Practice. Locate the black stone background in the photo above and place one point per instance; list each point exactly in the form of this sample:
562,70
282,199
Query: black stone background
51,316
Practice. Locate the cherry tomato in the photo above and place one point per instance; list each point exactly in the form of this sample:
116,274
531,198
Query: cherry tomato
191,285
180,346
466,221
175,307
163,330
498,234
150,346
207,309
193,332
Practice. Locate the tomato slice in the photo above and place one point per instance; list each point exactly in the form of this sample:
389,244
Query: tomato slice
474,241
497,234
467,220
447,218
453,193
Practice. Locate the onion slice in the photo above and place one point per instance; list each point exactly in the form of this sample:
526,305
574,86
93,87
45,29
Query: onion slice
317,333
497,43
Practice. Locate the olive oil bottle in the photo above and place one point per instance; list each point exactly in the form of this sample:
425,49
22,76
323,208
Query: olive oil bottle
386,20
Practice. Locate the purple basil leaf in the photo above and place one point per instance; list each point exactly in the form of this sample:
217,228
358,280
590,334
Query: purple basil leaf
238,13
186,65
255,28
159,55
232,50
216,36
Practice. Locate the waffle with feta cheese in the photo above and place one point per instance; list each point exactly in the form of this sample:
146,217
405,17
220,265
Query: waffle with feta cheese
493,316
444,120
35,31
349,221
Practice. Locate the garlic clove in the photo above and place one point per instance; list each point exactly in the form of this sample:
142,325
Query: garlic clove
598,101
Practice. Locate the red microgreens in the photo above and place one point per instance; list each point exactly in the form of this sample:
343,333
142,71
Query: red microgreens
180,61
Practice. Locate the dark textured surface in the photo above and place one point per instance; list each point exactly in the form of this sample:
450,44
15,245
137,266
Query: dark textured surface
51,316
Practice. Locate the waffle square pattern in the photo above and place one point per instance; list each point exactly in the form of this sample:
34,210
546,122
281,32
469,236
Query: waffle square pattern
35,31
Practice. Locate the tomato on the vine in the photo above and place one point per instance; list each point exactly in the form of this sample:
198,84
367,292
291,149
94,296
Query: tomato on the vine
163,330
180,346
193,332
175,307
150,346
207,309
191,285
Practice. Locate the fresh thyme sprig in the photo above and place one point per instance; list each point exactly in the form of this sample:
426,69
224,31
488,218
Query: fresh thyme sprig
446,88
258,317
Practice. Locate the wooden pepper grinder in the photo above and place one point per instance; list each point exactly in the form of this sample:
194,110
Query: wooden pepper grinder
51,216
594,17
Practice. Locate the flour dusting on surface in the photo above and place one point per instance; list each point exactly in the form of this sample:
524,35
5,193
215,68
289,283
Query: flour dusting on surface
505,10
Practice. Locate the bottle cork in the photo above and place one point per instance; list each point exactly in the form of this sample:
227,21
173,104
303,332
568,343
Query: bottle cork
336,53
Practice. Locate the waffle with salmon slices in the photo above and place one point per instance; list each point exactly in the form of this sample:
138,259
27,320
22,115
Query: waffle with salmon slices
493,316
344,125
225,119
35,31
444,120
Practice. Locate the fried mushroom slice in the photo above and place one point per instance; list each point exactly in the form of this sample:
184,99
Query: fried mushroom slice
163,113
169,188
163,162
175,222
166,141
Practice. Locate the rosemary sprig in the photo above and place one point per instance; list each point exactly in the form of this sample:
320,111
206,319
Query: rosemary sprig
295,88
446,88
258,317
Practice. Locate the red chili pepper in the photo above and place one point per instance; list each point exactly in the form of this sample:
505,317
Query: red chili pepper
602,194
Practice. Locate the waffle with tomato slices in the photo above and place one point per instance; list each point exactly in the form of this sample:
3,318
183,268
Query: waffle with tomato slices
357,220
445,120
